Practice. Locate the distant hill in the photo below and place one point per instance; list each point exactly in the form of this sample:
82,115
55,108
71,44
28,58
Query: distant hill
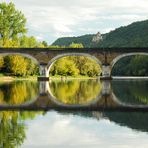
133,35
66,41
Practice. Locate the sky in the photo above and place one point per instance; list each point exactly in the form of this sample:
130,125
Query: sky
50,19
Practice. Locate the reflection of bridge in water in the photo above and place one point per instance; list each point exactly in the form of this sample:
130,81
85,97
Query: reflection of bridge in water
106,100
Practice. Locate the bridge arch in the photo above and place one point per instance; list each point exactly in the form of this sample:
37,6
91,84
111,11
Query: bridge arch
115,60
22,54
53,60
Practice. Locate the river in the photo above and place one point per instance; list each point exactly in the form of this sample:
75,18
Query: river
74,113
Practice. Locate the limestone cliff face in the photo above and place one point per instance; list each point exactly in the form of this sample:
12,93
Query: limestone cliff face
97,38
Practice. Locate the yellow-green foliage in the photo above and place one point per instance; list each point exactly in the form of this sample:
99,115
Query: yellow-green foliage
76,45
76,65
30,42
75,92
10,43
65,66
1,62
12,23
13,29
12,127
18,65
18,92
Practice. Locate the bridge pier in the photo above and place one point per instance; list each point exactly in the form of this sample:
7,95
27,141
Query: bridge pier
43,87
106,72
106,88
44,75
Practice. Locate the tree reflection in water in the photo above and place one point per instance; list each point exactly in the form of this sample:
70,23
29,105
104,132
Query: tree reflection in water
75,91
12,127
18,92
131,92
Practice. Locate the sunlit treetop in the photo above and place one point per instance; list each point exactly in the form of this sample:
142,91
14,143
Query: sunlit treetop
12,22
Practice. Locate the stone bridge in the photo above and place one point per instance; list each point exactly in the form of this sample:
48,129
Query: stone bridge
105,57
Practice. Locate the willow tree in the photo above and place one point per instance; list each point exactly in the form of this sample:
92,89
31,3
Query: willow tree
12,23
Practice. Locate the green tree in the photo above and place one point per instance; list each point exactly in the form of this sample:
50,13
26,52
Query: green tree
16,65
11,43
76,65
65,66
131,66
45,44
86,65
32,68
12,22
28,42
1,62
139,65
76,45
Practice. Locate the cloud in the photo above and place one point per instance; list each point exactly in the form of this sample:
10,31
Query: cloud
51,19
57,130
40,37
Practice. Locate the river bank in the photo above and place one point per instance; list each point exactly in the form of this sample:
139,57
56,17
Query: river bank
70,77
13,78
130,78
34,78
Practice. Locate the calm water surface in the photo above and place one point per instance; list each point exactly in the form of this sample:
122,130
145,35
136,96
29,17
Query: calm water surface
66,129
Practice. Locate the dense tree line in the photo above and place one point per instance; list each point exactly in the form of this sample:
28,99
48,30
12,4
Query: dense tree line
67,41
131,66
74,66
133,35
17,65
